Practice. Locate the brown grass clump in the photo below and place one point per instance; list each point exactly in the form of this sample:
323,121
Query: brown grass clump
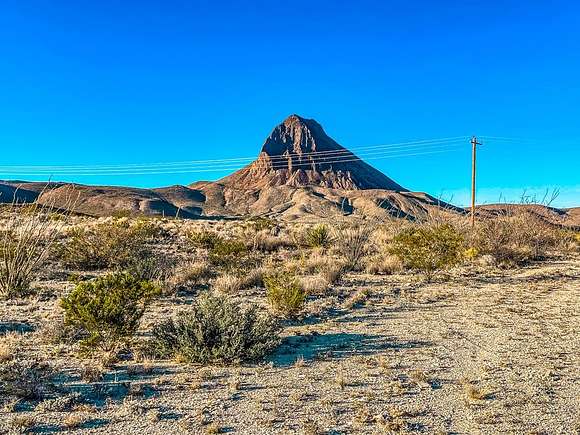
228,283
188,275
9,344
313,284
73,421
474,393
383,264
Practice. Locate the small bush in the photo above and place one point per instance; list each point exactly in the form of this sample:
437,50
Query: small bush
107,245
285,294
188,275
228,283
386,264
108,309
428,248
313,284
204,239
227,253
26,379
217,330
352,243
318,236
514,240
332,273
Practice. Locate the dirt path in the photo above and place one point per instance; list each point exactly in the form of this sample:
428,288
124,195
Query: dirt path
484,352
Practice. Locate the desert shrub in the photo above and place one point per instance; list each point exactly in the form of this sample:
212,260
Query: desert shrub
107,245
332,273
228,283
227,252
516,239
381,263
428,248
217,330
352,243
261,223
108,309
189,274
150,268
313,284
204,239
264,241
26,240
285,293
318,236
26,379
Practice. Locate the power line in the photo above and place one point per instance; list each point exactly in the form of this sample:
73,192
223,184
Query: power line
193,170
345,151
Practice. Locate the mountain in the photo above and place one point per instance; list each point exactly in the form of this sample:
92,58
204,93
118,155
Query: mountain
300,174
299,153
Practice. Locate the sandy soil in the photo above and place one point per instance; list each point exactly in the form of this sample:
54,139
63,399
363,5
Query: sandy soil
483,351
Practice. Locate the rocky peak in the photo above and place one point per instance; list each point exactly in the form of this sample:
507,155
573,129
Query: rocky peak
299,153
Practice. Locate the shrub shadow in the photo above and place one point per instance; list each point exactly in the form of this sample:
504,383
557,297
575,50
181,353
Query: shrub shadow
336,345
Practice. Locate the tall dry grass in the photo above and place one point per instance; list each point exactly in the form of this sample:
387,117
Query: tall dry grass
28,233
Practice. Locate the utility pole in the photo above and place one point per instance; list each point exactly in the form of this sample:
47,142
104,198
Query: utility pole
474,144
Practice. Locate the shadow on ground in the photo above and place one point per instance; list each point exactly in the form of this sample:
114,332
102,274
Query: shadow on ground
336,346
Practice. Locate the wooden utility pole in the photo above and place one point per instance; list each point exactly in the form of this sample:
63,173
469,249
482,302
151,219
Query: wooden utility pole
474,144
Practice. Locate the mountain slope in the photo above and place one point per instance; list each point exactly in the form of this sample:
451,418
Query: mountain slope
299,153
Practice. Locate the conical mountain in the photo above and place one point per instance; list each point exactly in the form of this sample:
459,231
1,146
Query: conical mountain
299,153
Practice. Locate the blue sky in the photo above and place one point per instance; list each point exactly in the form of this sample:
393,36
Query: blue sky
108,82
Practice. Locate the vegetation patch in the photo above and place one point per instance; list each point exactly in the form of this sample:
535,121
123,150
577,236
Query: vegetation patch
217,330
428,249
108,309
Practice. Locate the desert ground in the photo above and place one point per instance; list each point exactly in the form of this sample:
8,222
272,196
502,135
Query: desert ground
482,347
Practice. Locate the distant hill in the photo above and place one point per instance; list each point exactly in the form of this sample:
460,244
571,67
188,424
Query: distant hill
300,173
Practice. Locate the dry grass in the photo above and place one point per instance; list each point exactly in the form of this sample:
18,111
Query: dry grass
27,237
9,345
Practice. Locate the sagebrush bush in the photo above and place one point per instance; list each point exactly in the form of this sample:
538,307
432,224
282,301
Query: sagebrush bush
428,248
217,330
107,245
285,293
352,243
108,309
318,236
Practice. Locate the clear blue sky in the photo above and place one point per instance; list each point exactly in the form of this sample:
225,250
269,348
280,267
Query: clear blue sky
112,82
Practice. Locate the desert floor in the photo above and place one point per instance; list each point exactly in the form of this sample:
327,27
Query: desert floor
480,350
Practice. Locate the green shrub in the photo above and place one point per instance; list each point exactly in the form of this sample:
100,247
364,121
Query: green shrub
107,245
227,253
285,293
428,248
108,309
318,236
204,239
216,330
